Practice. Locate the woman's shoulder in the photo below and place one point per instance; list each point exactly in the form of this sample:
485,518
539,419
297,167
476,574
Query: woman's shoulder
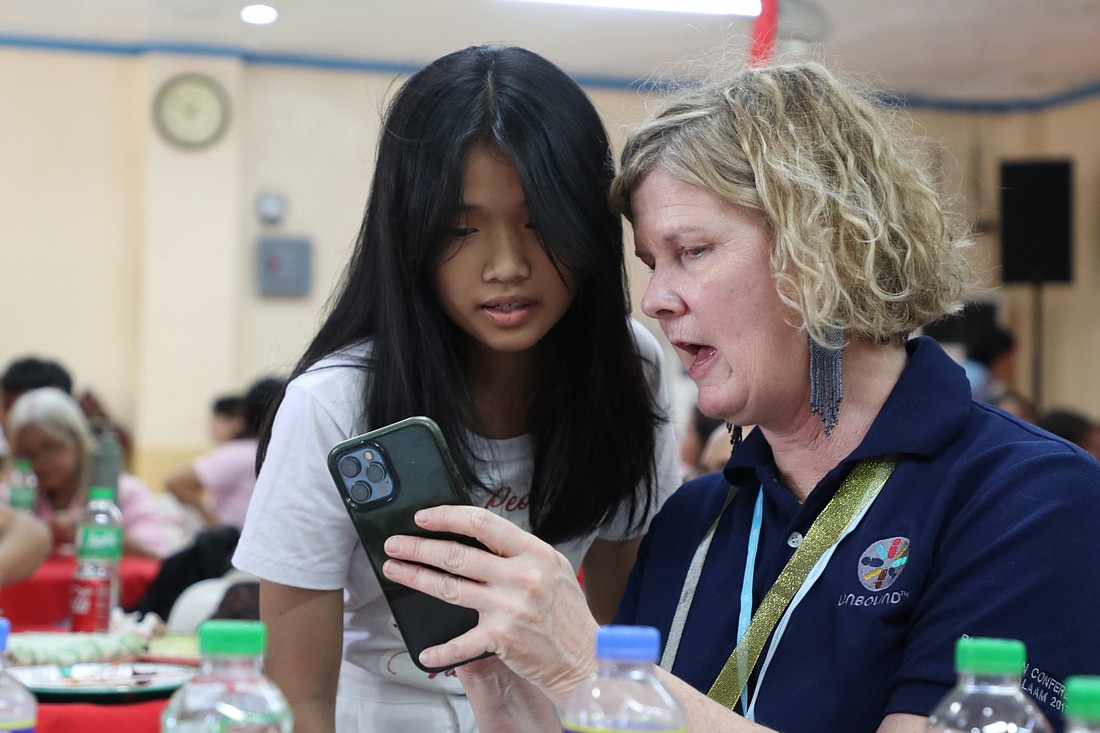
1006,460
703,496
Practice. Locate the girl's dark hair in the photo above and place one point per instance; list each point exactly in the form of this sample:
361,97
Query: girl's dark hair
593,420
258,404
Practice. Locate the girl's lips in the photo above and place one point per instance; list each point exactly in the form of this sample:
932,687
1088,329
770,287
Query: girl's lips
508,312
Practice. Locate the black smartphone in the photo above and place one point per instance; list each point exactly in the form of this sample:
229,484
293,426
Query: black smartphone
384,477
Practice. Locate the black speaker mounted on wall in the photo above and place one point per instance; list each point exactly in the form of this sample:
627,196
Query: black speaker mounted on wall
1036,221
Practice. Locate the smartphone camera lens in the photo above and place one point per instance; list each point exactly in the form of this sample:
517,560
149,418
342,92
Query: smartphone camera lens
360,492
349,466
375,473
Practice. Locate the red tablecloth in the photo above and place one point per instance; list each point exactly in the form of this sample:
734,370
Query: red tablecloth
78,717
42,601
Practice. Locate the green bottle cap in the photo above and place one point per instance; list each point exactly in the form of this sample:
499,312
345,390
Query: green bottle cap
979,655
101,493
232,638
22,465
1083,698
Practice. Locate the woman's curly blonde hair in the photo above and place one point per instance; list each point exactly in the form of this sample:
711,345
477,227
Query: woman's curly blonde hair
863,240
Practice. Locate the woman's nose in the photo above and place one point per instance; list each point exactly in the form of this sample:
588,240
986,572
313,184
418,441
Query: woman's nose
659,300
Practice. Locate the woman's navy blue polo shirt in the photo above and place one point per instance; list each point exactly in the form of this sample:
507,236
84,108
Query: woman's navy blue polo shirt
996,519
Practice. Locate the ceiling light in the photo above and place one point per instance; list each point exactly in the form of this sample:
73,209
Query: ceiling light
259,14
711,7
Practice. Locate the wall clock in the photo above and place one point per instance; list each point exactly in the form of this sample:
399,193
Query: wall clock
191,111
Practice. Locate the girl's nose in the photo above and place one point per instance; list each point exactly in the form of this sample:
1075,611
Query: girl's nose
508,258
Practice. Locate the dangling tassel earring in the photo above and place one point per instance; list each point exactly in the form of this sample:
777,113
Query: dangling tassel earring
735,434
826,378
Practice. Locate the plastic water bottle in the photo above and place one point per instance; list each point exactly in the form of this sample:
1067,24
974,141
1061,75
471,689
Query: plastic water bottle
230,694
1083,705
988,698
106,457
18,708
624,694
98,552
23,486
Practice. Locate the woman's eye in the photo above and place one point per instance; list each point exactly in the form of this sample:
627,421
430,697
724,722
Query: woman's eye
532,225
460,232
695,252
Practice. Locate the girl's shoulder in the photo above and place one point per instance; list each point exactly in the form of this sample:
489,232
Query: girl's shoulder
334,385
646,340
650,351
348,364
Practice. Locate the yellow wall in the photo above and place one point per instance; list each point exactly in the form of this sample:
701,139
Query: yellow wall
132,262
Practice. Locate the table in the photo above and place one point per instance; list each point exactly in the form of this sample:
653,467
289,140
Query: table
79,717
42,601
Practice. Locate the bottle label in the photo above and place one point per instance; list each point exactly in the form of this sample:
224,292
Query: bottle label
91,604
23,497
631,728
98,542
17,726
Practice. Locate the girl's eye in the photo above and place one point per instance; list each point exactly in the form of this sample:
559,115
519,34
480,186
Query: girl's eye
460,232
532,225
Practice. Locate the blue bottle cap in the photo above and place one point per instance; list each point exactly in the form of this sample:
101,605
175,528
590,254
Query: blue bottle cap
5,629
628,643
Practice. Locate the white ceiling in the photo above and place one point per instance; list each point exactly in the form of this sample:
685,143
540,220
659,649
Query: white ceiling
1001,52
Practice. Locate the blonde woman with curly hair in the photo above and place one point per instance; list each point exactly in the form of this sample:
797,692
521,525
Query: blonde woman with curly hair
874,514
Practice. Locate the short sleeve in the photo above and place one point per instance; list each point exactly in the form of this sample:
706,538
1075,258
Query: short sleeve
297,531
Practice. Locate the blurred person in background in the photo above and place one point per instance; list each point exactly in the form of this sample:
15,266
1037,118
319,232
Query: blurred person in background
219,484
990,359
23,375
1016,404
31,372
226,418
48,428
24,544
1075,427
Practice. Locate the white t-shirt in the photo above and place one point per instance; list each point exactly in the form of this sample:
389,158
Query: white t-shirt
298,533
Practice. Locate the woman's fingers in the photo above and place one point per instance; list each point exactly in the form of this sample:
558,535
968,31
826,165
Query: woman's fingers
532,611
498,534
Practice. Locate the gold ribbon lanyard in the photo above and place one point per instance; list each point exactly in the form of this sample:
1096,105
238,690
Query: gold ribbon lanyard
839,517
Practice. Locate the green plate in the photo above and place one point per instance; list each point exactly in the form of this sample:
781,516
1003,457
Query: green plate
103,681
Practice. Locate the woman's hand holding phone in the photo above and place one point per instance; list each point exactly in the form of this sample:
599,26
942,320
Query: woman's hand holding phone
532,611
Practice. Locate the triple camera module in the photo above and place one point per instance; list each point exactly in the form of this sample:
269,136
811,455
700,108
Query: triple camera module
367,479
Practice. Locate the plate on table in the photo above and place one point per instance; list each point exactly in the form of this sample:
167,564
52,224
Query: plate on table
103,681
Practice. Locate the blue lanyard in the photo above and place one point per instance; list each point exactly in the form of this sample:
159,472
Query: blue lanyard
745,616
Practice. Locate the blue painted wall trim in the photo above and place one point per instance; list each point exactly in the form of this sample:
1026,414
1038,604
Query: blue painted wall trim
915,101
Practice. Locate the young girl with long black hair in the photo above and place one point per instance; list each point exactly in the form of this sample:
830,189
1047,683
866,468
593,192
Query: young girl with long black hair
486,291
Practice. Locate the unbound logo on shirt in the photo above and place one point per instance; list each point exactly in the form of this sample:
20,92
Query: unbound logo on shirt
883,562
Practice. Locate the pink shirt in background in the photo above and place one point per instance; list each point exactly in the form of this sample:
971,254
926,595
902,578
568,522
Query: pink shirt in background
228,473
144,518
